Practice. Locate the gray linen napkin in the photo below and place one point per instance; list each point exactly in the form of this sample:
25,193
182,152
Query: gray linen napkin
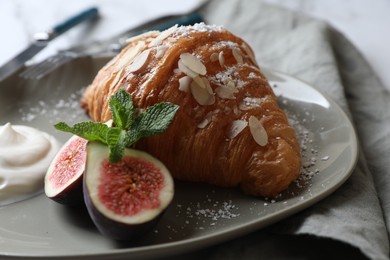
353,219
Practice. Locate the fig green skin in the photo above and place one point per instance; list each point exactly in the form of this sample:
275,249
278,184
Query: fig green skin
107,226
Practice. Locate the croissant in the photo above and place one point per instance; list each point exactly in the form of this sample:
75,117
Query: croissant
229,130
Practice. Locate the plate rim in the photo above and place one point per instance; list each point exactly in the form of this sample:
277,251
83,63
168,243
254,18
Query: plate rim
191,244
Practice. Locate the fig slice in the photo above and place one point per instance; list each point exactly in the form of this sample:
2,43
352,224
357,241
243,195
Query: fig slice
63,179
127,198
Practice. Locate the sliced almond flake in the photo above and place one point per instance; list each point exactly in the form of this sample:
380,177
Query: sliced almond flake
201,95
214,57
160,50
177,71
193,63
139,62
183,68
249,52
199,81
204,123
228,82
258,131
236,127
225,92
162,36
184,83
237,55
207,85
228,90
221,58
232,86
129,55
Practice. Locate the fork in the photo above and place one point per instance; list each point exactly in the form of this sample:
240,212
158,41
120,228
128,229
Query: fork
108,47
39,70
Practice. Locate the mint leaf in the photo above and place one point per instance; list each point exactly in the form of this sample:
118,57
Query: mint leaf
91,131
133,136
116,139
155,119
122,109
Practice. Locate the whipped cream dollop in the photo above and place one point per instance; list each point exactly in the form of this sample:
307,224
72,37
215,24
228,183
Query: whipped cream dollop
25,155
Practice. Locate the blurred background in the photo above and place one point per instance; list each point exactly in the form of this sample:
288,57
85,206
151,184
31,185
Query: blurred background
365,23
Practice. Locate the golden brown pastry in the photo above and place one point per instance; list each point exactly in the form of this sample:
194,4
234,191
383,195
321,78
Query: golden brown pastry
229,130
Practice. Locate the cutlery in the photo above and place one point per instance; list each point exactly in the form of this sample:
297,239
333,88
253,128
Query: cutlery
42,39
107,47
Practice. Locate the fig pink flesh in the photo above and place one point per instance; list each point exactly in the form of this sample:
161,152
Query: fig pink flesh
130,186
69,163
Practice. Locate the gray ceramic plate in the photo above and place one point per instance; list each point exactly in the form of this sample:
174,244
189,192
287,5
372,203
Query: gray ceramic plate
200,215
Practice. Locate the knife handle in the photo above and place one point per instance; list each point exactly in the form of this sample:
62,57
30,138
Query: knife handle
74,20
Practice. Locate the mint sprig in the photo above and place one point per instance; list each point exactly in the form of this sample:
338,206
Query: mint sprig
128,126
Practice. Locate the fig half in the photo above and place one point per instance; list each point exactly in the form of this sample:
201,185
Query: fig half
127,198
63,180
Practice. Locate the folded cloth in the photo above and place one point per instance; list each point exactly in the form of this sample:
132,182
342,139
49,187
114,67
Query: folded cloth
352,219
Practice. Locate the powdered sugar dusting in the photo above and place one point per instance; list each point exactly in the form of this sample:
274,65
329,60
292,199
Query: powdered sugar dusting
208,212
198,27
311,157
309,151
51,110
230,74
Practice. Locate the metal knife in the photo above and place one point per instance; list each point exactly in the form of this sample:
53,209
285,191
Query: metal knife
106,48
42,39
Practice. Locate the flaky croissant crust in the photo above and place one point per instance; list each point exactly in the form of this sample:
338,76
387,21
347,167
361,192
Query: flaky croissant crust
210,139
